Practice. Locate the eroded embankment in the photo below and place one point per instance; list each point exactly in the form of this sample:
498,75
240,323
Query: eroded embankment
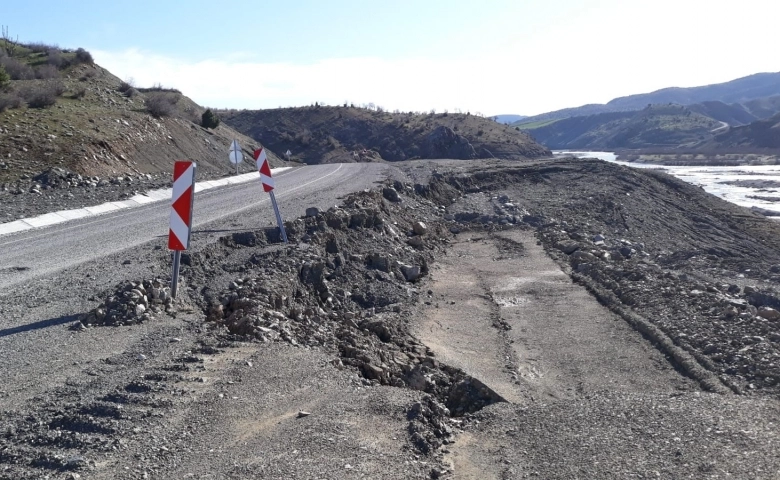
696,274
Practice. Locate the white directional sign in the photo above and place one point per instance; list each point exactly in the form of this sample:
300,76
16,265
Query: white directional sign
235,156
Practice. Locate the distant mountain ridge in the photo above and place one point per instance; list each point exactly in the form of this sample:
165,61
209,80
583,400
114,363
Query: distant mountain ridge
742,90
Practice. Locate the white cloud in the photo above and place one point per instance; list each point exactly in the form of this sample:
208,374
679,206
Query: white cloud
410,84
602,52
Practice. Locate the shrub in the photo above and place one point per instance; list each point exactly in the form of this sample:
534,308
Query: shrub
80,92
5,79
45,72
209,119
16,69
55,58
157,87
41,96
9,100
161,104
83,56
126,85
89,73
40,47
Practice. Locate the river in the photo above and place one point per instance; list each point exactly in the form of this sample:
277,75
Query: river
752,186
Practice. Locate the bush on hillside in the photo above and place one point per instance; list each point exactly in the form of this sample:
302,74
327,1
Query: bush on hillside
43,95
16,69
40,47
83,56
79,92
5,79
161,104
56,59
209,119
45,72
157,87
9,100
126,85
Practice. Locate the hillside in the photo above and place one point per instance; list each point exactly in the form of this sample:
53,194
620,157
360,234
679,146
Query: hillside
321,134
59,110
654,126
734,114
740,91
761,134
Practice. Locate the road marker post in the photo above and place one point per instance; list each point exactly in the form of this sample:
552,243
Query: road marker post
235,154
181,215
268,186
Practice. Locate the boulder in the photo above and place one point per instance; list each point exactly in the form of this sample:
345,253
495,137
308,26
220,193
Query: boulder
567,247
416,241
769,313
391,194
582,257
411,272
419,228
312,211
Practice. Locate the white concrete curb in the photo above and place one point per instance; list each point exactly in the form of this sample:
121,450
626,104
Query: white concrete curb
149,197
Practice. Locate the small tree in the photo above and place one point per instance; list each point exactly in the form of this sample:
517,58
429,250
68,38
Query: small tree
209,119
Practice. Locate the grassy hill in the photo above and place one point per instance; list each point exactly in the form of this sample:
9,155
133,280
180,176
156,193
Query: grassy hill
60,109
654,126
322,134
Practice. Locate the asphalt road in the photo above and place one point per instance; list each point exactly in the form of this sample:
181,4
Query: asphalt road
40,252
50,276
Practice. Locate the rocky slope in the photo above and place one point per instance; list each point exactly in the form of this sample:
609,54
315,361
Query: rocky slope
99,127
347,134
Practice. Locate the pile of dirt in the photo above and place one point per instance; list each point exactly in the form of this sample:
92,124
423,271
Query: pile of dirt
348,283
320,134
131,303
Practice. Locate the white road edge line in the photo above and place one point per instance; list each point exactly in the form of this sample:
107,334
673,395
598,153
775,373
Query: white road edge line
153,196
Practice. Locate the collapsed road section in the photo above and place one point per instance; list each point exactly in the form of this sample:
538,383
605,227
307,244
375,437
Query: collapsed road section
423,330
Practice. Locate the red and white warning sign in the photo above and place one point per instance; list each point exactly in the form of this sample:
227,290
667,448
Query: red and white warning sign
181,205
265,170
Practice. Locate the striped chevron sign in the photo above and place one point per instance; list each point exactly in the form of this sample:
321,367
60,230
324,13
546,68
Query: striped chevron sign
181,205
265,170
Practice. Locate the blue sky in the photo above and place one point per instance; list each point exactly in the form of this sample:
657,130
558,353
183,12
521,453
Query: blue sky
489,56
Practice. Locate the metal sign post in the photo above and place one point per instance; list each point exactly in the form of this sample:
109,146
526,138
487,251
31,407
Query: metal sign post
278,217
268,185
235,154
175,275
180,229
